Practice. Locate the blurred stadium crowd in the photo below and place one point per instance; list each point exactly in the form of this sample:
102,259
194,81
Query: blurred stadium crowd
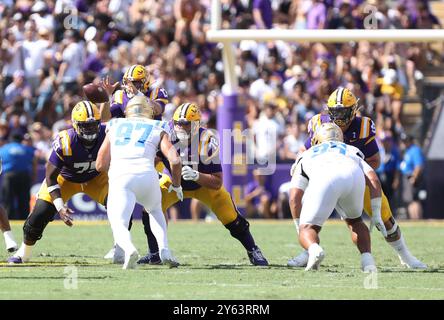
49,49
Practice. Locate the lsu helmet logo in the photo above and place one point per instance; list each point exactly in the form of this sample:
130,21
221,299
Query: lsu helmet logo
138,76
342,105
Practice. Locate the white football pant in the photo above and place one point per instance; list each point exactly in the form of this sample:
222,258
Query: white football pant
124,191
340,188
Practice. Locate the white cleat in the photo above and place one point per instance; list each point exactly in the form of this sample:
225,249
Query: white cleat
413,263
315,258
116,254
370,268
11,245
110,254
131,260
299,261
167,258
368,263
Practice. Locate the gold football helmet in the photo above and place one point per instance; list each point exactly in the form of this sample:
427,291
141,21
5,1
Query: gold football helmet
342,106
186,120
85,117
327,132
138,76
139,107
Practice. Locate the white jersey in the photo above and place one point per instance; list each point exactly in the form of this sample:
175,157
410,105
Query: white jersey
332,176
134,144
328,158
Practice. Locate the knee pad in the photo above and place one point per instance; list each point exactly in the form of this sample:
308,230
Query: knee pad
239,226
37,221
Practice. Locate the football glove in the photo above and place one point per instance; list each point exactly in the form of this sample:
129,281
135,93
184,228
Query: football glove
178,190
189,174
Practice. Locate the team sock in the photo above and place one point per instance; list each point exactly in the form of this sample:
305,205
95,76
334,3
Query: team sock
151,239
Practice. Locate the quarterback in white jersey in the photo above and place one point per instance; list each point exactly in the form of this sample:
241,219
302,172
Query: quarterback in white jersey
128,153
332,175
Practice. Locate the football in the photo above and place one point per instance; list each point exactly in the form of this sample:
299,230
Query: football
95,93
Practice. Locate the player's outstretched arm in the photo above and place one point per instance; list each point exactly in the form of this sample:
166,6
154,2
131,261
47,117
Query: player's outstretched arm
52,172
374,161
374,185
173,158
105,112
208,180
104,156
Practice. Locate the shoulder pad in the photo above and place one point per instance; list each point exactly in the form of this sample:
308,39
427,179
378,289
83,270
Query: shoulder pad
314,123
209,144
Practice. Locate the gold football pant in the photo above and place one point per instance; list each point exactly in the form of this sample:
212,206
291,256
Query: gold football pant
386,212
96,189
219,201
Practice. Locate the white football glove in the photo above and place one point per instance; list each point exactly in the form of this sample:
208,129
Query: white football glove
379,224
178,190
189,174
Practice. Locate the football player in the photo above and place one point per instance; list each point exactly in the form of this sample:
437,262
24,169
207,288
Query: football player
136,82
128,154
332,175
202,179
69,170
360,133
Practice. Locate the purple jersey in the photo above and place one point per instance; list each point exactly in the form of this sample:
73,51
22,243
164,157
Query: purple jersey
120,99
76,163
360,134
205,157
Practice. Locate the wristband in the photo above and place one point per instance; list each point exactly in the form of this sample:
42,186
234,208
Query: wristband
53,187
58,203
376,205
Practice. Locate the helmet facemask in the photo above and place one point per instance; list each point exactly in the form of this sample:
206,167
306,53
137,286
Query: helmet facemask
341,115
185,129
87,130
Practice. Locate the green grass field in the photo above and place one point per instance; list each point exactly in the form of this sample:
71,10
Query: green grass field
215,266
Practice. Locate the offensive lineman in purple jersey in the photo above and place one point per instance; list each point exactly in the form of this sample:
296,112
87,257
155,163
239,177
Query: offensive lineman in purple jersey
360,133
69,170
202,180
136,81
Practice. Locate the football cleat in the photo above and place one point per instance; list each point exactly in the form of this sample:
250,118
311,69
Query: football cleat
150,258
131,260
315,258
116,254
167,258
11,245
257,258
110,253
299,261
368,263
413,263
15,260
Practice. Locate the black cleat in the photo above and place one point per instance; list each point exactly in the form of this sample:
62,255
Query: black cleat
150,258
257,258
